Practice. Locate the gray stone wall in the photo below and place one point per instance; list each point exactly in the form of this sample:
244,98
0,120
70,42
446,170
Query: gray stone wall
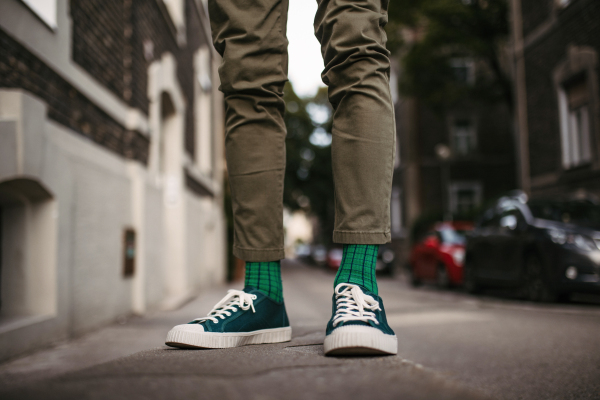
116,40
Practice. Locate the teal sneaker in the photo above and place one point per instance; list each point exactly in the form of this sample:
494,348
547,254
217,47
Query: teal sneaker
242,317
358,325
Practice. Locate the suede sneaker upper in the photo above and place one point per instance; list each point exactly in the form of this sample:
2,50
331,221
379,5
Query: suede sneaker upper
353,305
241,318
244,311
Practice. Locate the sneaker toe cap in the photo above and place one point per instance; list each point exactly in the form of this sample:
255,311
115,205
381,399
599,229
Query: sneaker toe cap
193,328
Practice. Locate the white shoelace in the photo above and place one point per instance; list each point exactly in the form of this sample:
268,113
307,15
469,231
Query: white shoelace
352,303
229,304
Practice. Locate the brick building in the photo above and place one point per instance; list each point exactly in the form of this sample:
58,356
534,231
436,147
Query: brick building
556,46
111,167
480,164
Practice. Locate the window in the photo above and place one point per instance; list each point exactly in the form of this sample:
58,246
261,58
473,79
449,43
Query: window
462,135
574,111
167,128
512,218
129,250
451,236
578,212
396,210
465,197
176,11
464,70
45,10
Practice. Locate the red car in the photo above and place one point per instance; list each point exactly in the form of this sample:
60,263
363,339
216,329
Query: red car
439,255
334,258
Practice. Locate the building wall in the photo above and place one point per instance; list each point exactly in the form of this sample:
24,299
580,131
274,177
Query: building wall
100,42
419,172
549,32
491,163
116,41
21,68
99,127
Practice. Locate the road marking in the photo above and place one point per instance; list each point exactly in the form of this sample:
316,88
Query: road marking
435,318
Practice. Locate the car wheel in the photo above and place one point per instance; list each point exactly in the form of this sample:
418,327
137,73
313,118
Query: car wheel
442,278
470,279
414,280
537,286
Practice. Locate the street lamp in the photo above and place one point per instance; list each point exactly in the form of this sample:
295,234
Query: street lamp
443,153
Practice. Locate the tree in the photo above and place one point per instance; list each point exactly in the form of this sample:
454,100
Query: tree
442,32
309,177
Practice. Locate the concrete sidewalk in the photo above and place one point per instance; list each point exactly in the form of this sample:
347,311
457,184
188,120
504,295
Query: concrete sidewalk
129,361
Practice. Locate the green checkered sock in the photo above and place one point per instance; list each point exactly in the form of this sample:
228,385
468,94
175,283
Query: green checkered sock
358,266
266,277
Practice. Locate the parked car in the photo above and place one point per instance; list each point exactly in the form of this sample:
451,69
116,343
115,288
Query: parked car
303,252
439,255
386,260
549,247
334,258
318,254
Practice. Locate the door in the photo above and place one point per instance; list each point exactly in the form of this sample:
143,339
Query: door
482,244
511,237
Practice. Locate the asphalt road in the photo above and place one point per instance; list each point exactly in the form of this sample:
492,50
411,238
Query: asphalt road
451,346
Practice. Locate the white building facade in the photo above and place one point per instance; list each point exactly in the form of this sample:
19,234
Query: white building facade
111,166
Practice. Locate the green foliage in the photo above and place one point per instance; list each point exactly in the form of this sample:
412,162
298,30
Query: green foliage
446,30
308,176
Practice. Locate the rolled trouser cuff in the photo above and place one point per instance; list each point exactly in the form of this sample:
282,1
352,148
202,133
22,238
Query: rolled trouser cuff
258,254
349,237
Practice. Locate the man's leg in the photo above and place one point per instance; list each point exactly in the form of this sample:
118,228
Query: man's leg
357,75
250,36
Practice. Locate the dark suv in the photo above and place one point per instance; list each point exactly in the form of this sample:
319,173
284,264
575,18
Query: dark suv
549,247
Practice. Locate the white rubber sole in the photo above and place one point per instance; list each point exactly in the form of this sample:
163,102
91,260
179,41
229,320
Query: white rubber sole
186,338
353,340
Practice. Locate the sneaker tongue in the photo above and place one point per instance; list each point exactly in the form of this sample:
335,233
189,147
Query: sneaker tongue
363,323
364,289
252,289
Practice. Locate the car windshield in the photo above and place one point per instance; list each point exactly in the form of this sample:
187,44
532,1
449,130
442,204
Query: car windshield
577,212
451,236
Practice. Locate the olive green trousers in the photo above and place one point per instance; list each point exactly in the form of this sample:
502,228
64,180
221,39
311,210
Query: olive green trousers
250,35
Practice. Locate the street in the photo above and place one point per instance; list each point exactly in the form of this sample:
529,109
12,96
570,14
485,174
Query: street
451,346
